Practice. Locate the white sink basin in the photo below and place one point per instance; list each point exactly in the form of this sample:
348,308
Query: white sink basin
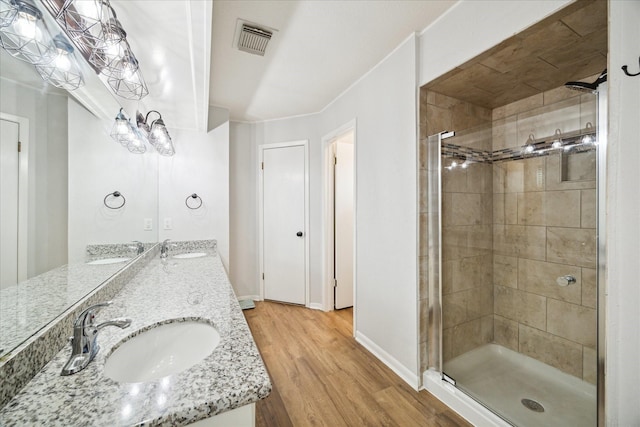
160,351
105,261
190,255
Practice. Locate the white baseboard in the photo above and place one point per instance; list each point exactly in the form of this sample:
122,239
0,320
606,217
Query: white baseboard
464,405
316,306
251,297
402,371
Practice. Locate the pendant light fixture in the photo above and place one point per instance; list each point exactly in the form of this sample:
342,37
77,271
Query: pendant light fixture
26,36
8,11
88,23
127,135
63,70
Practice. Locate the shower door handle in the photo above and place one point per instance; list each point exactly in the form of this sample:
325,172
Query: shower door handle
565,280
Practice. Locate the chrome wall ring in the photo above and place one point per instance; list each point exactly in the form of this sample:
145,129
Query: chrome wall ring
194,204
115,194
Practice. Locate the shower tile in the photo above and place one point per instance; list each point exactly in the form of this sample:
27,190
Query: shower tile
571,321
589,365
589,288
519,240
562,209
480,240
505,133
514,177
499,177
525,104
539,277
588,209
424,240
454,180
588,110
505,271
480,302
438,119
424,320
534,174
498,113
472,272
424,277
469,335
443,101
447,276
423,149
531,208
550,349
505,332
454,243
520,306
558,94
572,246
580,166
543,121
423,191
554,176
479,178
498,208
466,209
511,208
454,309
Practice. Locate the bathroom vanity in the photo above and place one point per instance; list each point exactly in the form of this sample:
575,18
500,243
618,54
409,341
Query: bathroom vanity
221,389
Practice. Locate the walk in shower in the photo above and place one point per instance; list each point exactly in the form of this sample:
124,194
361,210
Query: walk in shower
511,191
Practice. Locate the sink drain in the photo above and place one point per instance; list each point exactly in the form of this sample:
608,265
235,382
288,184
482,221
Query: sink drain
533,405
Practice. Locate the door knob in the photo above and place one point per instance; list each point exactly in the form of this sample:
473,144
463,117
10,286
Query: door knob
299,234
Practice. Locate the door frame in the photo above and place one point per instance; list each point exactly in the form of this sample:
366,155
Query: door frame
23,191
328,297
304,143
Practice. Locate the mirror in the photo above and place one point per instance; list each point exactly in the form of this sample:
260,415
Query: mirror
55,198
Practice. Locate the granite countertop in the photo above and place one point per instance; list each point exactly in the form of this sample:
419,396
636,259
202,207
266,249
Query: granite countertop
232,376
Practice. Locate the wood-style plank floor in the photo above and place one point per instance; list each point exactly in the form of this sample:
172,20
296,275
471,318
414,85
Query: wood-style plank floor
322,377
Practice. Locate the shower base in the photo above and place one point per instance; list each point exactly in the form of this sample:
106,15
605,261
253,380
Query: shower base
501,378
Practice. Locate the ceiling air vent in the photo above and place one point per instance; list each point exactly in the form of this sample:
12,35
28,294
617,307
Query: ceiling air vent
253,40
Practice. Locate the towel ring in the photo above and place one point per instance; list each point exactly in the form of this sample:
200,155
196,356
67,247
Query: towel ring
115,194
193,196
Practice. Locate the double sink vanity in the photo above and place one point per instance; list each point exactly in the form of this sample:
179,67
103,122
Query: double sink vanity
175,349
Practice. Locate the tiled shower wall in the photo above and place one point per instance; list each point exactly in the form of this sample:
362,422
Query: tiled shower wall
544,227
510,229
467,226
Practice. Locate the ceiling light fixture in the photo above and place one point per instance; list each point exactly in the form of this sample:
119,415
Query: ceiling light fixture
24,34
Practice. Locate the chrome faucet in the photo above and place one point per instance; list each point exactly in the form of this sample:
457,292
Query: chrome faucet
84,344
139,247
164,249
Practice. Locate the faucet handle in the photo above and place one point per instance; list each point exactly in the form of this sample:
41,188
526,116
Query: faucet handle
89,314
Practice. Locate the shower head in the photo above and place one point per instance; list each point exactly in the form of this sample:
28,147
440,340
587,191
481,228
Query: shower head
588,87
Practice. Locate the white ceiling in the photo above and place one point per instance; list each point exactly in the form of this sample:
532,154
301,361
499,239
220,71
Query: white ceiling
319,50
186,54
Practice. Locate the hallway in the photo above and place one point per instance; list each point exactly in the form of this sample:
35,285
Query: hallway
322,376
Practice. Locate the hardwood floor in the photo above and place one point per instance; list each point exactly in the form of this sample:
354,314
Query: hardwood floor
322,377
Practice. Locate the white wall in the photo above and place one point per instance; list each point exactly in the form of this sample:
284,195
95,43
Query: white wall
383,102
201,166
98,166
623,221
243,206
47,217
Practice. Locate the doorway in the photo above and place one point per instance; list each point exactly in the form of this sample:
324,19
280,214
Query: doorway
13,201
284,222
339,218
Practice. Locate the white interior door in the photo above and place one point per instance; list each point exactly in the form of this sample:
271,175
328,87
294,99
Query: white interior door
9,168
284,233
343,220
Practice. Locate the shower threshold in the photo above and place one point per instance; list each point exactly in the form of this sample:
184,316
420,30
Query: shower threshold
522,390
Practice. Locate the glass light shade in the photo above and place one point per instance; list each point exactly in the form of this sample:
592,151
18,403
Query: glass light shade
63,71
115,60
89,22
160,139
26,37
122,131
128,85
136,145
8,11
